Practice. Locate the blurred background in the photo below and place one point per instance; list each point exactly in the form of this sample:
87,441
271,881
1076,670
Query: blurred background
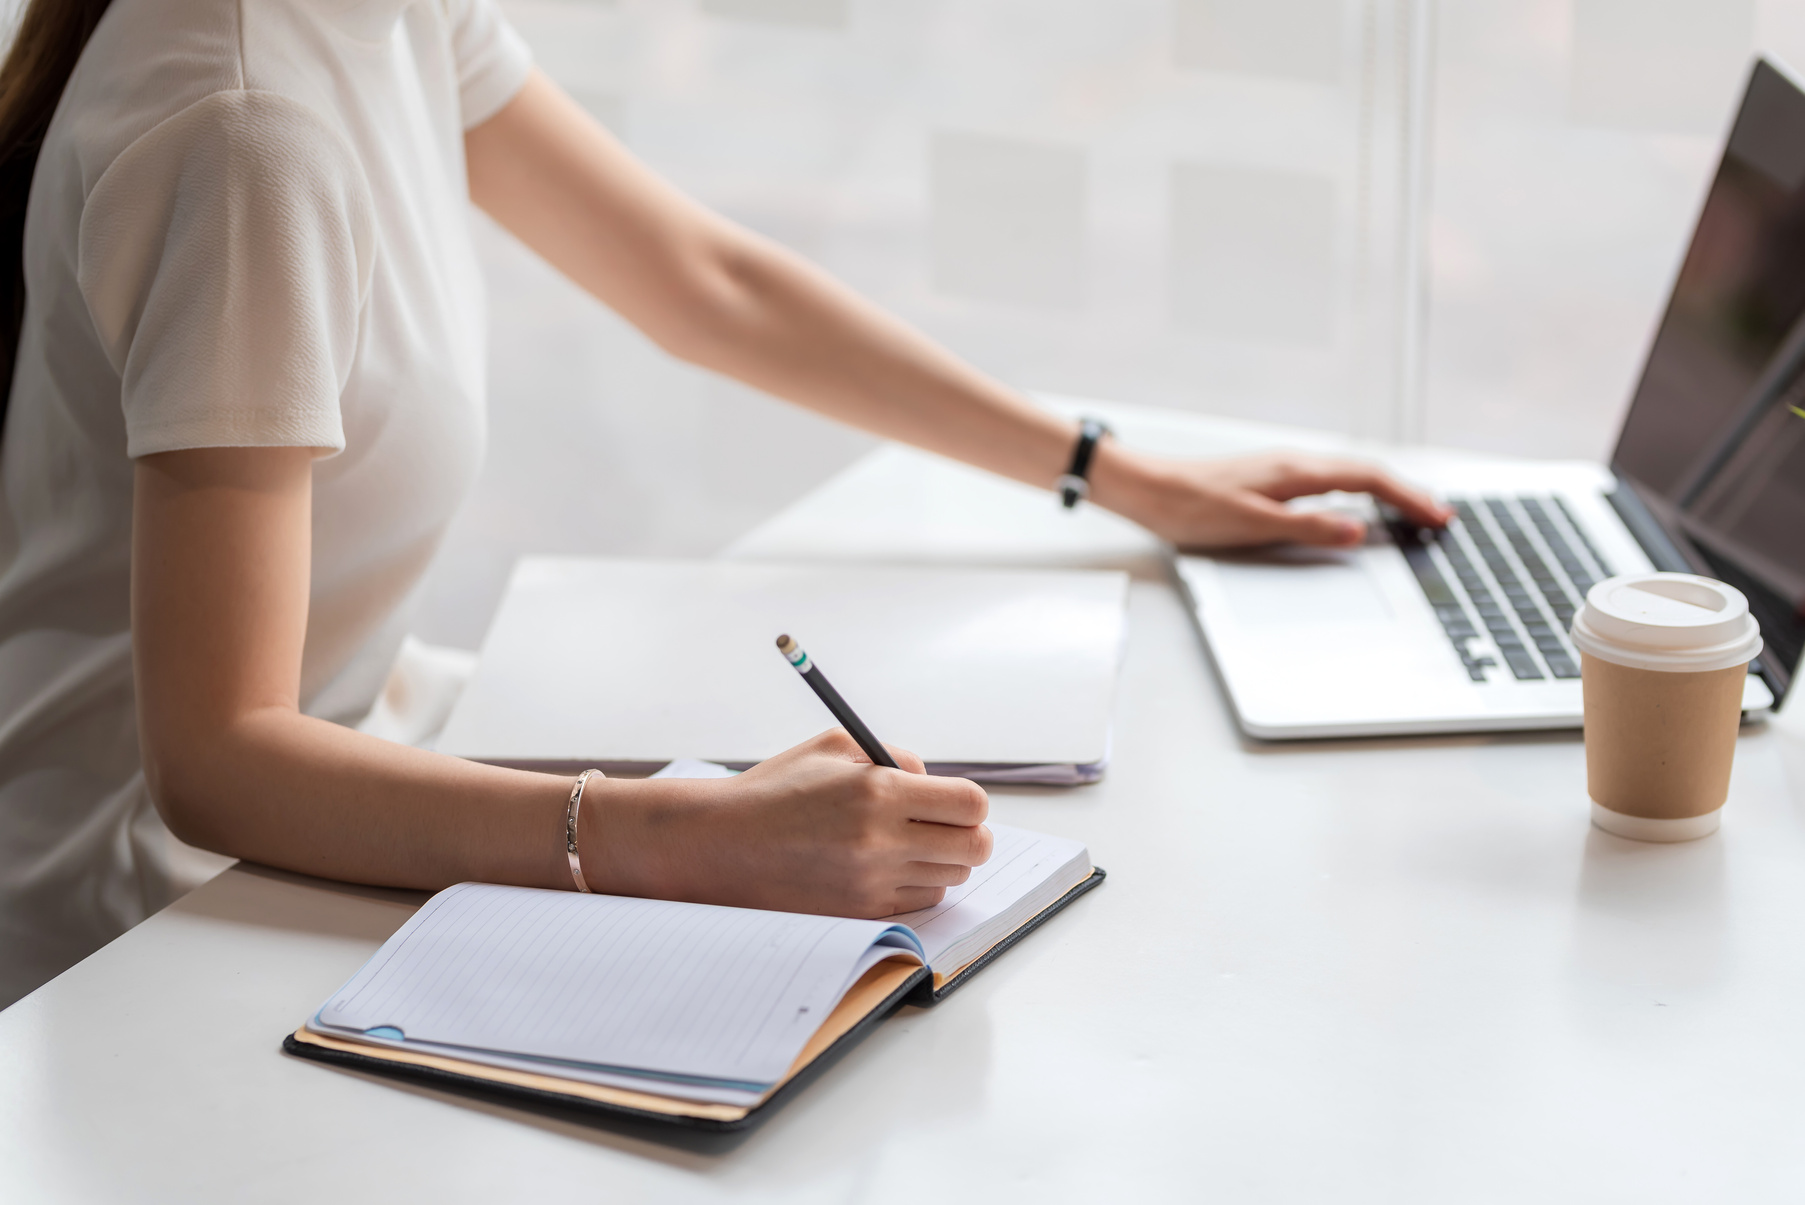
1451,222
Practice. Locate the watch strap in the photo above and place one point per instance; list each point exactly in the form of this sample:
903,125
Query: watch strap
1074,484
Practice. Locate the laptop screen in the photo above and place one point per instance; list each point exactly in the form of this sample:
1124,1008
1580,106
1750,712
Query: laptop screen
1715,438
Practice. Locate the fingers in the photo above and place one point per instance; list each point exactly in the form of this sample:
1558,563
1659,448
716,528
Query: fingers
906,792
945,845
1413,503
1278,524
925,884
839,742
1319,476
946,801
906,760
866,840
910,899
934,874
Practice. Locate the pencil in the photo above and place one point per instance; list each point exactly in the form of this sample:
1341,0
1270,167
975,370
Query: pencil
811,673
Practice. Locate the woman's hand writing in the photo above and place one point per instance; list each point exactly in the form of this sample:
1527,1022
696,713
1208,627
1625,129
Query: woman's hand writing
815,829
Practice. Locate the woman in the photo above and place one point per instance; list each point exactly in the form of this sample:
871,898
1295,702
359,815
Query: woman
247,397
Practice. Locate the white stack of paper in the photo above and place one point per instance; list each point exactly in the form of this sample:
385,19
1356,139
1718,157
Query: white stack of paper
1005,675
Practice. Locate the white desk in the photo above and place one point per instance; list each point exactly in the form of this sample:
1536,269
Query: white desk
1362,971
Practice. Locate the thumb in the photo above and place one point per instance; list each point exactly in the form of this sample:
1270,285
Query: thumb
1323,528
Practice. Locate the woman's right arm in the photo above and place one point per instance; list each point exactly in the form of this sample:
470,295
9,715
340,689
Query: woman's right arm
220,563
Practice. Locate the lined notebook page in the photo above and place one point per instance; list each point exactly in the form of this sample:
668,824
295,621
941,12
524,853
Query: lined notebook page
1027,871
726,996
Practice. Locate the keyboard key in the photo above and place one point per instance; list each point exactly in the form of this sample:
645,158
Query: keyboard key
1561,666
1454,619
1442,598
1522,665
1550,588
1524,597
1435,587
1580,531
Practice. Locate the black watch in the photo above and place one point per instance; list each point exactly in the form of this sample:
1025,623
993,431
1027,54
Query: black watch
1074,483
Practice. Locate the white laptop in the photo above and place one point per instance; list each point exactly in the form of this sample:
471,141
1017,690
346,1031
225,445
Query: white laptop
1466,629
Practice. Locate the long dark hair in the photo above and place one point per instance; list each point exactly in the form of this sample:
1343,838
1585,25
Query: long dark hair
50,38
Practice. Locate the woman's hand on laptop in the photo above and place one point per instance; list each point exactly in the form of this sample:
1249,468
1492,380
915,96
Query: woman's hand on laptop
817,828
1240,501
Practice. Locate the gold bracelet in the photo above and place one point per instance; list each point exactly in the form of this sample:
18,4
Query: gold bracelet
570,827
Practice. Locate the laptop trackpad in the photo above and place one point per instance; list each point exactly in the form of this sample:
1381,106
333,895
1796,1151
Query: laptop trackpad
1289,587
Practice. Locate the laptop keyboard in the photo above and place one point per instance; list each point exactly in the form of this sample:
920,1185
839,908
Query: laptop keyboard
1505,578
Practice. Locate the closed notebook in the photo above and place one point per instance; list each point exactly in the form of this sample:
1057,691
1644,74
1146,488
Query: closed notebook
997,674
689,1013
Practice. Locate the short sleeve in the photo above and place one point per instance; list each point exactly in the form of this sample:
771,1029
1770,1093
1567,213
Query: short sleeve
225,257
492,59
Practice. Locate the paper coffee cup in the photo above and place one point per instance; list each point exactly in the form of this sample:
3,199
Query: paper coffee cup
1662,662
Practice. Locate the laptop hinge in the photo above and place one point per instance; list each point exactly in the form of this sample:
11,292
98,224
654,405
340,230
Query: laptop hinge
1662,552
1665,554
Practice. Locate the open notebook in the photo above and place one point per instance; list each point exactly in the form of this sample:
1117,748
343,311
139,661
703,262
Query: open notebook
1002,675
690,1013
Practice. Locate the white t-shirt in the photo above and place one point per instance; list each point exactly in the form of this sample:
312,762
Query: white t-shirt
249,226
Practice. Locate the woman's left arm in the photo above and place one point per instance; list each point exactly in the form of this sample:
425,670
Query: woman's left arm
722,297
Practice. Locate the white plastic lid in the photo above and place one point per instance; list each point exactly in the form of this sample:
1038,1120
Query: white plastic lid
1667,621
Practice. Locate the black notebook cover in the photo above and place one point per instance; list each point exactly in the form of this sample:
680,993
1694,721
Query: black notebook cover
926,994
917,989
